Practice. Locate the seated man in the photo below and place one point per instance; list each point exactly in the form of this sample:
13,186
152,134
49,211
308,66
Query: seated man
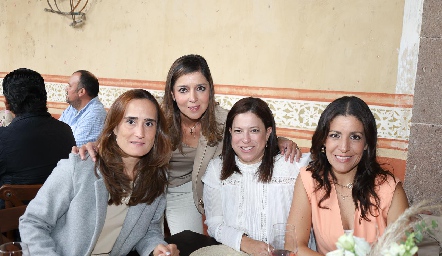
33,143
85,114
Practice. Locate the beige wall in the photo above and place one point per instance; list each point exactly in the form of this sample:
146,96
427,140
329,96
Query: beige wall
297,55
322,45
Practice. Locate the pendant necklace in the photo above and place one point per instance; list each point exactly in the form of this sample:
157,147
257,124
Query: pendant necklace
342,196
192,132
349,185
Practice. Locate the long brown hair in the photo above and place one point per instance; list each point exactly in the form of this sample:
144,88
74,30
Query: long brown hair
184,65
151,178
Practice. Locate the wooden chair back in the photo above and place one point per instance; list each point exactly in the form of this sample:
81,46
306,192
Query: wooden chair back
17,195
9,221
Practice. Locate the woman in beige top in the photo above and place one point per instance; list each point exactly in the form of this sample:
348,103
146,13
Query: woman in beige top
196,125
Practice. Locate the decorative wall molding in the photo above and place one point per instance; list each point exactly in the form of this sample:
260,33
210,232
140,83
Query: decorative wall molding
296,111
299,115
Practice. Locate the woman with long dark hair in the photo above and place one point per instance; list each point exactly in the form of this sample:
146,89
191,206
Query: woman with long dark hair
344,188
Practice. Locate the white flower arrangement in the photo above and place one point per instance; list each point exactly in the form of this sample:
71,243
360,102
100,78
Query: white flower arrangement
349,245
387,244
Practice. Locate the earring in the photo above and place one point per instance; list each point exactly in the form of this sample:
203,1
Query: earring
323,149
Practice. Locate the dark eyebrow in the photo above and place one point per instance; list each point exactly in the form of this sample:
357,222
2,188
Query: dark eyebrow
150,120
136,118
186,85
350,132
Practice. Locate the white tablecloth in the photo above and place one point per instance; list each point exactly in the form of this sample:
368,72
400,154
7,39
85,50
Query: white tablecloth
217,250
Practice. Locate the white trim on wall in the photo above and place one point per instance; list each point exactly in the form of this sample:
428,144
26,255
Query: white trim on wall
409,47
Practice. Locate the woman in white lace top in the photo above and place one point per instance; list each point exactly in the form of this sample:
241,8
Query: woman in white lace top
250,186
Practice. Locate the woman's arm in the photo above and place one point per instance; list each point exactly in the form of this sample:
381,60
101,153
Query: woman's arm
153,240
253,247
213,206
43,212
213,209
399,204
301,216
224,234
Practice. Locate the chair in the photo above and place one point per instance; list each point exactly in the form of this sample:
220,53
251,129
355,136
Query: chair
9,221
16,196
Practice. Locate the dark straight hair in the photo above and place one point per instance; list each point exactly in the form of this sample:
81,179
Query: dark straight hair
260,108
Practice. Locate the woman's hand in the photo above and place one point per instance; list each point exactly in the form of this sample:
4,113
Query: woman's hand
253,247
90,147
290,149
166,250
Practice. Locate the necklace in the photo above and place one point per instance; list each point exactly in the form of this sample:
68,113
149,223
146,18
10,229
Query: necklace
192,130
349,185
343,196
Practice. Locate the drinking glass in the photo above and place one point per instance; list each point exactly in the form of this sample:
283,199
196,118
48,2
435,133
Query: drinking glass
283,240
14,249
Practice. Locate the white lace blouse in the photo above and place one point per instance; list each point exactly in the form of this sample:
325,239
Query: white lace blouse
242,205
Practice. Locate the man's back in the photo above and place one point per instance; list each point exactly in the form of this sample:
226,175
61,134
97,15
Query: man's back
33,143
31,146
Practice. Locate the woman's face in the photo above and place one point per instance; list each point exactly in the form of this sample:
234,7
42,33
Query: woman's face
191,92
249,137
135,134
345,144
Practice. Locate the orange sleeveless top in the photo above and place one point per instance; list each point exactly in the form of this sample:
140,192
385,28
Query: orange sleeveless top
327,224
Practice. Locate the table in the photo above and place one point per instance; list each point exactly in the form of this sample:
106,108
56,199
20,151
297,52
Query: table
187,242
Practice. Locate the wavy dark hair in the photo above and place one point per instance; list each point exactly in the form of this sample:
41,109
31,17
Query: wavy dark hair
211,130
369,172
25,92
89,82
150,171
260,108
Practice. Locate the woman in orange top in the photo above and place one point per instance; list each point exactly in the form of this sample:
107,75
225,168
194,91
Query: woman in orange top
344,188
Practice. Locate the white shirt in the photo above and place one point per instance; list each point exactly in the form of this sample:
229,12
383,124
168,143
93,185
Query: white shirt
240,204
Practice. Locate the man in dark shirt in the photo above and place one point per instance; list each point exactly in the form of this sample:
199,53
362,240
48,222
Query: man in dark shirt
33,143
